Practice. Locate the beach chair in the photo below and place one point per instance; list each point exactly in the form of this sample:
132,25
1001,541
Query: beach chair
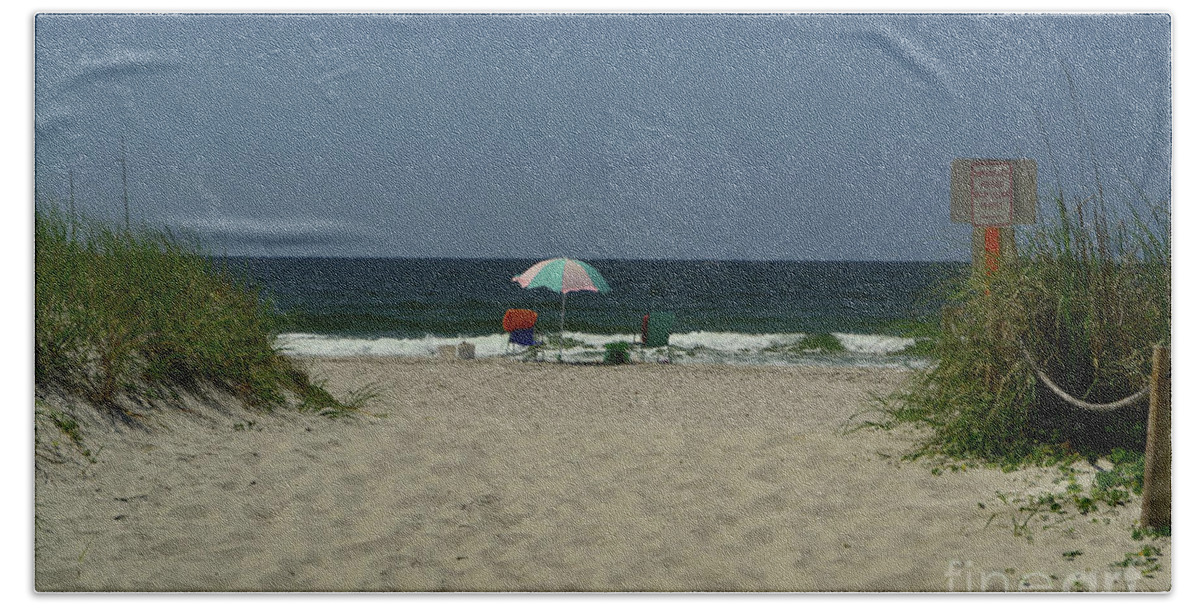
656,332
519,323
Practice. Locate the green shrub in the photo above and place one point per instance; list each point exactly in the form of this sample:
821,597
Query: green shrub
616,353
116,310
1088,303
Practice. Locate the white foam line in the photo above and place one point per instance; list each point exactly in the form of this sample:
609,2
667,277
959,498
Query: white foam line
690,347
731,341
874,345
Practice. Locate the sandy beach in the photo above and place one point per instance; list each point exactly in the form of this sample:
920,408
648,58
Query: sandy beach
492,475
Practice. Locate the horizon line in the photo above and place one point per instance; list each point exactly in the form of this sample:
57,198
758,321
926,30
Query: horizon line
599,258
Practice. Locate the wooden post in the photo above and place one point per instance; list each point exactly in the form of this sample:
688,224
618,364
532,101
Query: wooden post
991,246
1156,485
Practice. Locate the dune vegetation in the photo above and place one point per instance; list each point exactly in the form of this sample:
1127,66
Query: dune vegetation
143,313
1086,300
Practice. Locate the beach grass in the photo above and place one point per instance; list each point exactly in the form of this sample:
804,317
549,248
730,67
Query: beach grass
134,311
1087,299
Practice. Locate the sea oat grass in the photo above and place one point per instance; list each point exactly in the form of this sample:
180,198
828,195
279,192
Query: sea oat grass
120,312
1087,303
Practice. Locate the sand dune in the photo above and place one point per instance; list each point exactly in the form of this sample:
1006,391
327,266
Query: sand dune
498,476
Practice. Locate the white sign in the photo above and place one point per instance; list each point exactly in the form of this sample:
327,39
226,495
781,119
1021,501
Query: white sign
993,191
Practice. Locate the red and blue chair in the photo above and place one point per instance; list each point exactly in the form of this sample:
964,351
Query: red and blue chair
519,324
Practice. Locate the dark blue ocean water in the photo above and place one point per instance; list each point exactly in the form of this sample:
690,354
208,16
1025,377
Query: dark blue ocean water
414,298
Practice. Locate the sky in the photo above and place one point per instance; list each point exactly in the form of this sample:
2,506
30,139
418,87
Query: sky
647,136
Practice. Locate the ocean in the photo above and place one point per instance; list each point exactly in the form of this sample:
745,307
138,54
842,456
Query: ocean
735,312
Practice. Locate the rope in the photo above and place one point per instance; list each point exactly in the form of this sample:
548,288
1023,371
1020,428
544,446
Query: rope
1079,403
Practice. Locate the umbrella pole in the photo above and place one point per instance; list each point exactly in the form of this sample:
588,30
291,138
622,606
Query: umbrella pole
562,318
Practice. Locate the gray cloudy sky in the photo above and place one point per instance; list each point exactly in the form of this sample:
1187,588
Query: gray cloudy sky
635,136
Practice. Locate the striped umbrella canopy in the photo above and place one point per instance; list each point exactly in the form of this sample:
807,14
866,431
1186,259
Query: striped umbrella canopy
563,275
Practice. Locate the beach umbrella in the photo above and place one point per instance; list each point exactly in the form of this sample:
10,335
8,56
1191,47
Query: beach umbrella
562,275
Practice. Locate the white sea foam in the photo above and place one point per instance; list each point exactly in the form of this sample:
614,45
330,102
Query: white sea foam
690,347
337,346
874,345
733,342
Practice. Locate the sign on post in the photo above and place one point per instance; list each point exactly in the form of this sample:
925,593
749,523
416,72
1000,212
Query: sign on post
992,194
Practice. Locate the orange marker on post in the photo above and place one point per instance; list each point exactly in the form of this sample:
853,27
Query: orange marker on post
991,249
